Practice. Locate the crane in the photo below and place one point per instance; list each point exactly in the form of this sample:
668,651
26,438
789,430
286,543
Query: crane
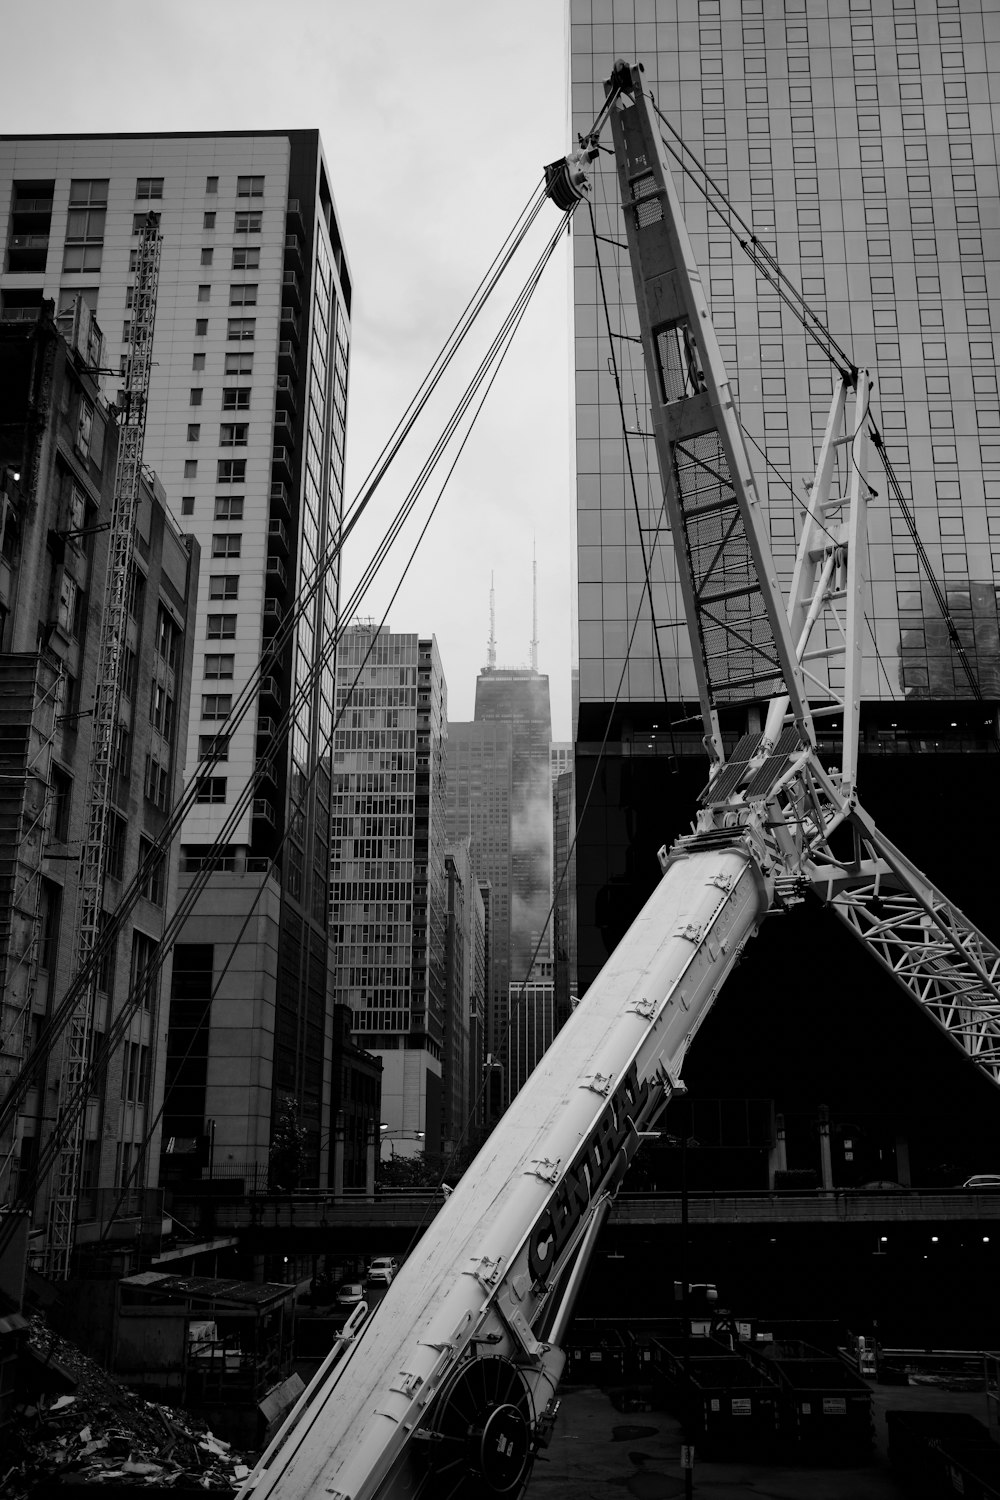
450,1391
61,1226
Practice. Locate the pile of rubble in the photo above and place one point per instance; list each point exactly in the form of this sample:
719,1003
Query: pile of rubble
105,1434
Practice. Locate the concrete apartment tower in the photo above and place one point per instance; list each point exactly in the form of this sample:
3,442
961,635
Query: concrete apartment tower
389,884
859,143
245,427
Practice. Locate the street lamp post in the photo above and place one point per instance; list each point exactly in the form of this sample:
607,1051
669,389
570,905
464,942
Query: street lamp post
392,1136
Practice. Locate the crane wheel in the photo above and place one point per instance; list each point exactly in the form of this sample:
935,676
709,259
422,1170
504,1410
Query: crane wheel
483,1427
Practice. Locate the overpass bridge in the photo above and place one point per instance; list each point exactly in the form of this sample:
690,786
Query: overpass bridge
307,1220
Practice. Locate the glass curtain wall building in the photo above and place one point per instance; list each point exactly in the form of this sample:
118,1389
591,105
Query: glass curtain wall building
858,142
389,885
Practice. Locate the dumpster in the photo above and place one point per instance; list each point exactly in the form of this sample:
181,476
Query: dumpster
825,1408
595,1356
733,1405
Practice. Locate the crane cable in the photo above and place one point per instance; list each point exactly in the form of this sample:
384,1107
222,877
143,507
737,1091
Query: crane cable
249,694
116,1032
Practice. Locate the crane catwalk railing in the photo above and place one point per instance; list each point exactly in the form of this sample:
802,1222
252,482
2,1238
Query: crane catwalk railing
90,894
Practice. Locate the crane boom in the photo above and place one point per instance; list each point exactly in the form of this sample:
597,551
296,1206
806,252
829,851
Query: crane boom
449,1384
449,1391
61,1228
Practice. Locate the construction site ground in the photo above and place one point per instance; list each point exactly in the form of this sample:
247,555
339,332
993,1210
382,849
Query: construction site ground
598,1451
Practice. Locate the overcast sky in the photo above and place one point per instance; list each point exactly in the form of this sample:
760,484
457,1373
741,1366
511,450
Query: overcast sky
436,118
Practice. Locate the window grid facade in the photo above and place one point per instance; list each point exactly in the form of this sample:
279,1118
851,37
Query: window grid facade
860,146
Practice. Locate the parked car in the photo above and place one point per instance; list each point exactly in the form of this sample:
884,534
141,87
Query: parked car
983,1180
350,1294
383,1268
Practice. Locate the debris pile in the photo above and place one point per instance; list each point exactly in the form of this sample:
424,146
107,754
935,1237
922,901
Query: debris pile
105,1434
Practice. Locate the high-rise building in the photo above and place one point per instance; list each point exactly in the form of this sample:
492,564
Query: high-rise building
480,770
531,1025
857,144
465,975
388,893
245,427
563,880
520,697
58,455
500,794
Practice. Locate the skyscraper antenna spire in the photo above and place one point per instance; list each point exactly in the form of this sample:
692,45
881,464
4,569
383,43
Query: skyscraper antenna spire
534,608
491,645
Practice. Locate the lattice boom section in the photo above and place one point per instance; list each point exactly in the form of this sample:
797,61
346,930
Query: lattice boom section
738,645
945,964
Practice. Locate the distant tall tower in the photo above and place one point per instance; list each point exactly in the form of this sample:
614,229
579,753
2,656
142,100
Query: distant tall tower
534,610
491,648
520,699
480,782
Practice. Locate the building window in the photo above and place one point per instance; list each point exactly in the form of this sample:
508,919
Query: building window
69,604
161,709
190,468
205,292
62,797
246,257
227,544
208,220
219,665
200,328
224,586
206,255
156,784
82,257
128,673
211,184
243,294
149,187
152,872
221,628
135,1085
121,755
194,432
141,980
241,328
88,192
127,331
239,364
196,393
88,198
216,705
232,471
249,187
187,505
213,747
140,221
234,434
211,789
114,855
229,507
168,637
248,223
197,361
